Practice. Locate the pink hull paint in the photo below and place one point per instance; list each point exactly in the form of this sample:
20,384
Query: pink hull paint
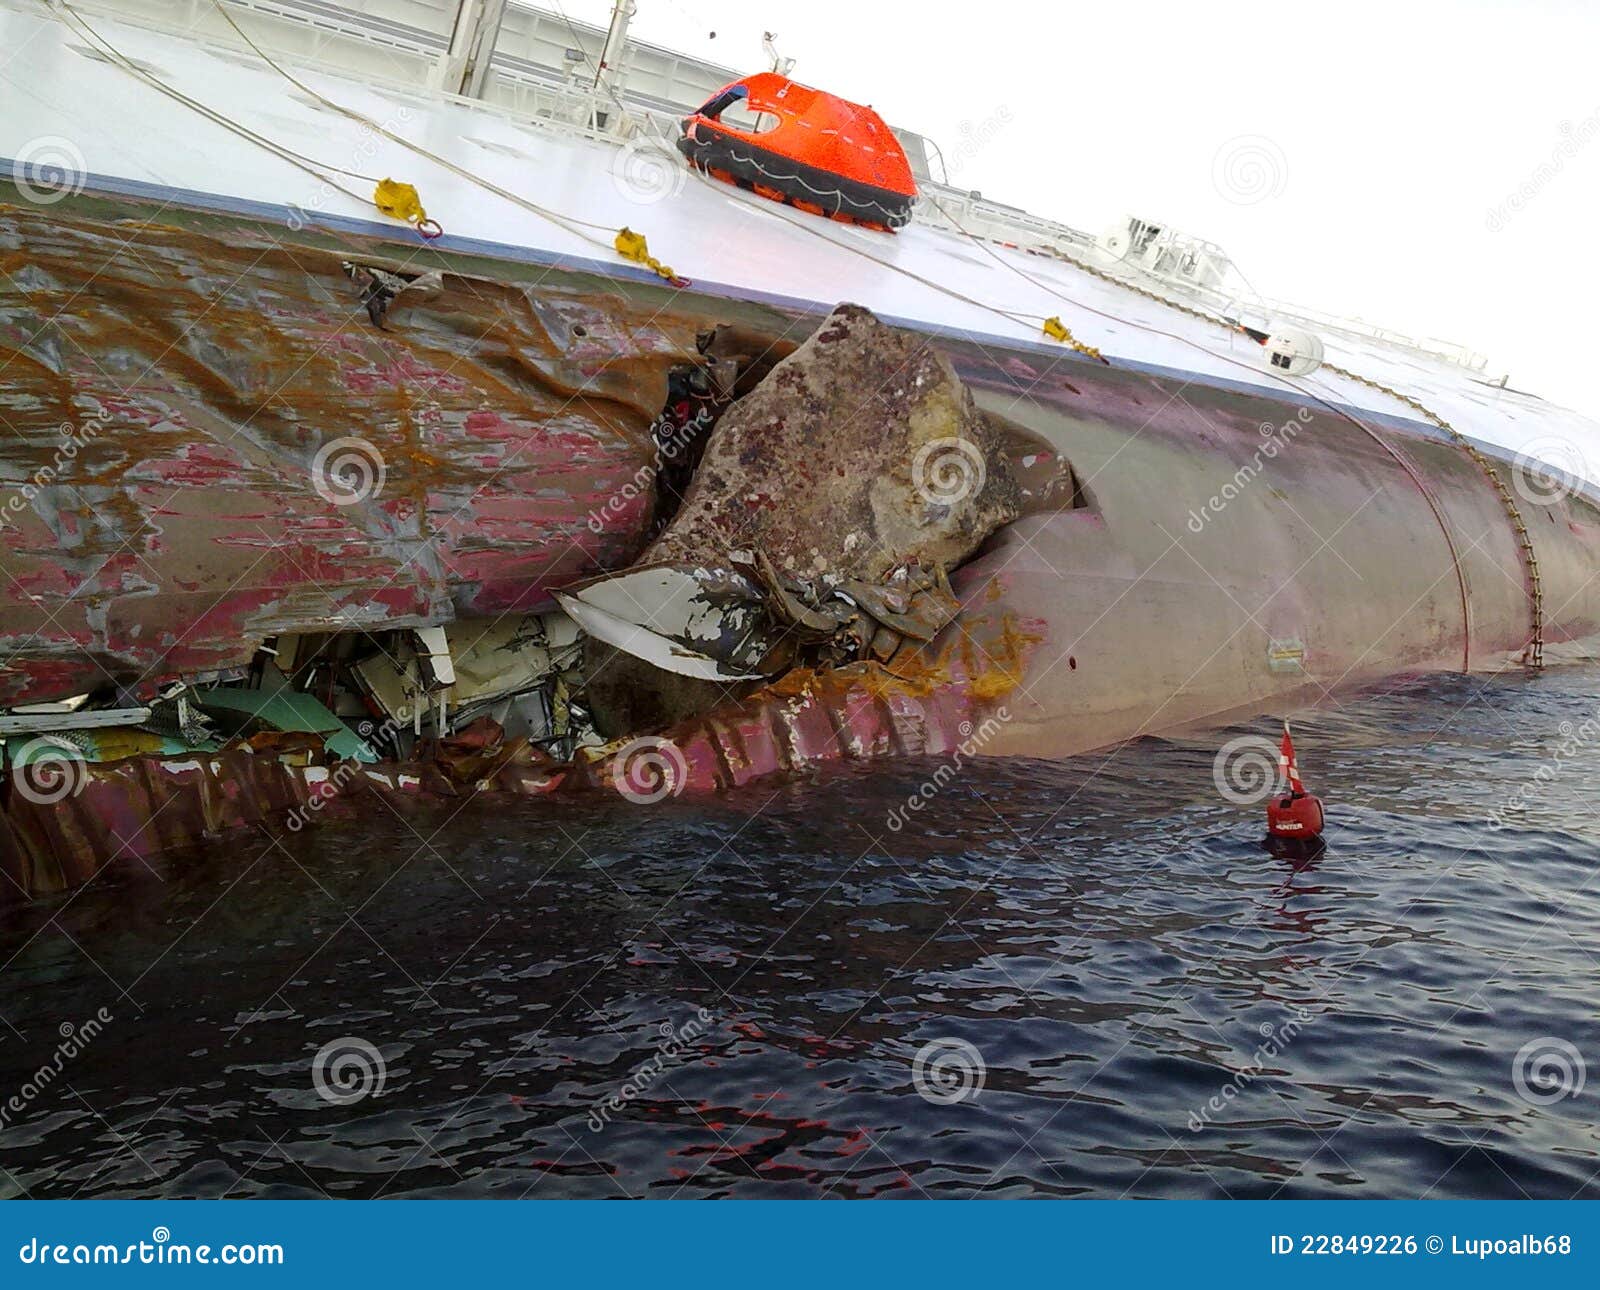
165,421
1174,592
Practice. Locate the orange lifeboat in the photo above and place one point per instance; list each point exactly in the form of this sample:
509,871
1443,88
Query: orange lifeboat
815,151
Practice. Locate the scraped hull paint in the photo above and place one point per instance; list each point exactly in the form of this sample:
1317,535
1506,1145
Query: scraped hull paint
1171,587
210,443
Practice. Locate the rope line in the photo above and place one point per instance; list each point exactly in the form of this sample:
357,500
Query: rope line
316,169
570,223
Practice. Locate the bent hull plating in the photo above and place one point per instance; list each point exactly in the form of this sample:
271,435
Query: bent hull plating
1221,550
1234,538
1237,554
209,444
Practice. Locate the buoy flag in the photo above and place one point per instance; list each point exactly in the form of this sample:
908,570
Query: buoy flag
1286,766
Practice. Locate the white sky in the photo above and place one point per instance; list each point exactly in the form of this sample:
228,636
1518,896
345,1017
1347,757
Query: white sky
1394,130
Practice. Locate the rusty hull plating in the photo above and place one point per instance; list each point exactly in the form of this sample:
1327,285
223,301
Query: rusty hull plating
165,404
512,413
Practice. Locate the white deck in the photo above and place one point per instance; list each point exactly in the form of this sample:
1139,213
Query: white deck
59,97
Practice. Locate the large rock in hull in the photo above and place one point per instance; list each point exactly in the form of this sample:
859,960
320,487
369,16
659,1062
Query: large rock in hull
845,486
860,453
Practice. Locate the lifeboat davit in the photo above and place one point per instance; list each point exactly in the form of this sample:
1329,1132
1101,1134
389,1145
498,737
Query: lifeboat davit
814,151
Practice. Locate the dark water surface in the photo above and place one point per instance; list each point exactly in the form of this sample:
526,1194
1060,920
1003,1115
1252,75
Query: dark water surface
729,997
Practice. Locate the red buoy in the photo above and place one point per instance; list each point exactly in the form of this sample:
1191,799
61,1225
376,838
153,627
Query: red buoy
1296,814
1299,815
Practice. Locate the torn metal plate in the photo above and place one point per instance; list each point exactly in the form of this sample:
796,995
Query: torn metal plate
691,619
652,647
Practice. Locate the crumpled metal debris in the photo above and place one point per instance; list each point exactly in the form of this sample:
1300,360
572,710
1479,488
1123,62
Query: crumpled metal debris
177,716
380,287
245,713
519,671
831,502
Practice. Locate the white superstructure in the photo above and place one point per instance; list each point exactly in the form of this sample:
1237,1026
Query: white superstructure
86,99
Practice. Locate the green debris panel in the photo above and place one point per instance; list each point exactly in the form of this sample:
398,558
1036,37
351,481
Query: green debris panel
287,710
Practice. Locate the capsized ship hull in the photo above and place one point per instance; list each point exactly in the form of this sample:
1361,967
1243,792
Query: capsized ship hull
1160,587
1183,591
511,424
1227,541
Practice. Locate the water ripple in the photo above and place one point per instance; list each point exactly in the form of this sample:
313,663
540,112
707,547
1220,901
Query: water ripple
746,996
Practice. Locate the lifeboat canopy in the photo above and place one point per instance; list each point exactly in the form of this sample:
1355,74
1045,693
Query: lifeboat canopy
812,150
